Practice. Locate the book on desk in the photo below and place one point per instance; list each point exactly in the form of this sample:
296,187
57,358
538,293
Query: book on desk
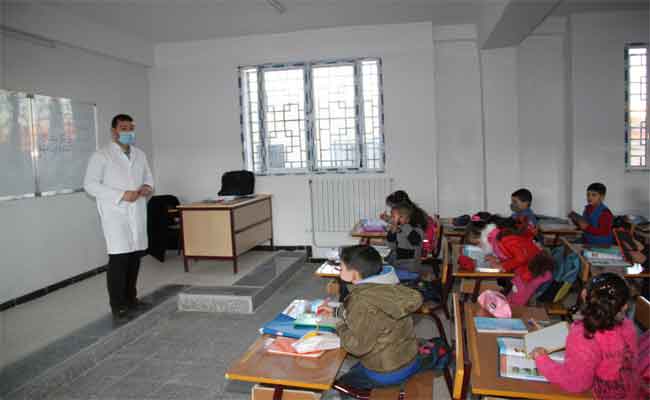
499,325
515,363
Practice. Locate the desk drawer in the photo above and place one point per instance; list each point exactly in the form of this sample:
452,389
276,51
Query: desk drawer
243,217
250,238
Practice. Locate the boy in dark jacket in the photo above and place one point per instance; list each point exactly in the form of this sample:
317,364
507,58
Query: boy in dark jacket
376,321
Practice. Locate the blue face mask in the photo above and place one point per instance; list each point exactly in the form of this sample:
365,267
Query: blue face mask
126,137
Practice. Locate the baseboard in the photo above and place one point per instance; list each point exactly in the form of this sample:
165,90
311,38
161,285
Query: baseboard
307,249
51,288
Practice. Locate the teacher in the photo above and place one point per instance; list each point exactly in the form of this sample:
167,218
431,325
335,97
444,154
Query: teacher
119,177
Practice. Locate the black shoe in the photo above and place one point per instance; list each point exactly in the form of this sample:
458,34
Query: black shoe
139,305
120,314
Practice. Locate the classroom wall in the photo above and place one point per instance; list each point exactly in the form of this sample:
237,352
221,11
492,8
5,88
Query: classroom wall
47,240
458,113
195,113
597,70
501,117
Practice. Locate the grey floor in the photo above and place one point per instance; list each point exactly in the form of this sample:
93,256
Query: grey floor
185,355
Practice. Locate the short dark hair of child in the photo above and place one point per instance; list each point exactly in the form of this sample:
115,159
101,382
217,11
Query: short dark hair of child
598,188
541,263
473,230
523,195
397,197
607,293
363,259
120,117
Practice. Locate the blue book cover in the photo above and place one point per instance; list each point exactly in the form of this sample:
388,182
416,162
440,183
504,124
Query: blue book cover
499,325
283,325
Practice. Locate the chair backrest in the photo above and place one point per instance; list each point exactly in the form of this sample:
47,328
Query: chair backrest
447,269
439,238
642,312
463,363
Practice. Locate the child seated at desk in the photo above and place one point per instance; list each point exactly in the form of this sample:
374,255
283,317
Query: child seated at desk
601,349
376,322
404,238
510,249
430,225
520,202
596,219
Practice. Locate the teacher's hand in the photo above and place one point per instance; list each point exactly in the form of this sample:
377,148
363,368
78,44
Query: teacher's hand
145,190
130,196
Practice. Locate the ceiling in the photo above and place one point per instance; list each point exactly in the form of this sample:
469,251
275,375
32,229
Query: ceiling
184,20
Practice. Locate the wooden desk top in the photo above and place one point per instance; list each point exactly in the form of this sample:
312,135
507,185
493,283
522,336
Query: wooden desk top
357,232
256,365
558,229
224,205
483,351
628,272
327,270
455,252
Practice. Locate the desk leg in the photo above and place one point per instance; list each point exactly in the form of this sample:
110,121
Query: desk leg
234,265
185,263
477,290
277,393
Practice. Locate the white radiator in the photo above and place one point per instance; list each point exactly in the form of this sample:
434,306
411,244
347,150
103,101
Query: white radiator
339,202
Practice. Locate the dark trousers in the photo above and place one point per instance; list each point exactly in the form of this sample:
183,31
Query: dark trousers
121,279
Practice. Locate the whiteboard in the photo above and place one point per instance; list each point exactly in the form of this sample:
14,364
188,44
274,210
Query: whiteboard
52,139
65,140
17,177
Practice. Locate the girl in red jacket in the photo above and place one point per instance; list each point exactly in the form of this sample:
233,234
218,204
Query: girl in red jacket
513,249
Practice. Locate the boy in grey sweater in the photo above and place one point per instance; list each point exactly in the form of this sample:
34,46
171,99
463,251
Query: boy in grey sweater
404,239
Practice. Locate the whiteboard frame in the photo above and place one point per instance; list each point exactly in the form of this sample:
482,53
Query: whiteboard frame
34,156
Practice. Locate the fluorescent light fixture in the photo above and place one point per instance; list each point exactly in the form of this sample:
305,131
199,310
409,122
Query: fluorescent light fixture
279,7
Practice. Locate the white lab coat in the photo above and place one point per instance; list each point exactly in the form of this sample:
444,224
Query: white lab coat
110,173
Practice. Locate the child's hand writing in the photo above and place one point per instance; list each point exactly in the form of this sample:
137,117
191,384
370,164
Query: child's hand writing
325,311
538,351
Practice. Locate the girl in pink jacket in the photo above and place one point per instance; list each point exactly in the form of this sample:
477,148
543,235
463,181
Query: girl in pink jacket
601,349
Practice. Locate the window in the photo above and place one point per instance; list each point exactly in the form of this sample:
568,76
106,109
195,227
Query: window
636,99
312,117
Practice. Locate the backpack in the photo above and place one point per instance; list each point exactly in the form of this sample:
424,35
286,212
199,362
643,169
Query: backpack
237,183
564,275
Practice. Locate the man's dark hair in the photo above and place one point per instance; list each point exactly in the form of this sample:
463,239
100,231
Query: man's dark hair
523,195
598,188
120,117
363,259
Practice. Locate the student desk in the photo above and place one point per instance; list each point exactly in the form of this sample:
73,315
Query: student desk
256,365
327,270
225,230
588,268
366,237
454,233
476,276
557,230
483,353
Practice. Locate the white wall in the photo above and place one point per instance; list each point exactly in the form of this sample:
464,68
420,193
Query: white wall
501,108
516,98
460,140
47,240
542,129
598,87
195,112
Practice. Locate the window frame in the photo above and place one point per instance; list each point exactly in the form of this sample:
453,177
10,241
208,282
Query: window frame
309,118
627,127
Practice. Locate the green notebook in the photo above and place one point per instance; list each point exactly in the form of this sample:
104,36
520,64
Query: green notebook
312,321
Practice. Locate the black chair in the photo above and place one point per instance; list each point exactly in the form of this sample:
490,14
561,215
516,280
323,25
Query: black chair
163,225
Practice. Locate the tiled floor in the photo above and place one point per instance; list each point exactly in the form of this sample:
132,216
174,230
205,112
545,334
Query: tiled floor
185,355
34,325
